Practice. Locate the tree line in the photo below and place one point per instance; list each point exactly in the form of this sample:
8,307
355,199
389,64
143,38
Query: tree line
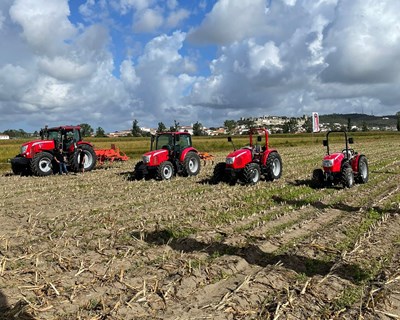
290,126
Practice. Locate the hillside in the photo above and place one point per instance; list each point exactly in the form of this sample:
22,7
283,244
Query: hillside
358,119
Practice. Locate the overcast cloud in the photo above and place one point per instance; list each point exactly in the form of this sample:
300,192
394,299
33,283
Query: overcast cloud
109,62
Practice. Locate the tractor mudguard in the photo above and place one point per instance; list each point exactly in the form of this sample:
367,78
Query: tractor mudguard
354,162
185,152
265,156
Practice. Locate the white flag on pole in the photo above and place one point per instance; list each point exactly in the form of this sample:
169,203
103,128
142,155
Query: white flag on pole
315,122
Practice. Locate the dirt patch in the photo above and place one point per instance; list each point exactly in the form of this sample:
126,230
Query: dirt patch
100,246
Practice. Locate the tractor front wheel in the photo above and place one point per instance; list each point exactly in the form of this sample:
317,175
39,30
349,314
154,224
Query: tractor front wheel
41,164
219,174
317,179
138,172
362,176
274,166
191,164
165,171
251,173
347,176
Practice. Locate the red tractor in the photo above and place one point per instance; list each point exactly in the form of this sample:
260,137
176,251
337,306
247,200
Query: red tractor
173,154
250,163
37,157
345,167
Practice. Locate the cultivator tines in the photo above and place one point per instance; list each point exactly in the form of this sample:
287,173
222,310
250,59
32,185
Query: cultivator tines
205,156
110,155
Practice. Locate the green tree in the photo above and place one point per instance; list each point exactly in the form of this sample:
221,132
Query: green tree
161,127
175,127
100,132
290,126
349,124
230,125
364,127
86,130
197,129
307,125
136,131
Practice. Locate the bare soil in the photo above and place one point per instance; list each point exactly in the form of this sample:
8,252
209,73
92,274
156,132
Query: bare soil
103,246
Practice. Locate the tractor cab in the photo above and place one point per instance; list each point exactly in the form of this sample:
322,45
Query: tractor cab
174,142
64,137
170,153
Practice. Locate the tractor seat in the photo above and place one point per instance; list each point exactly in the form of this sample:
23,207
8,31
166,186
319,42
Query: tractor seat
348,154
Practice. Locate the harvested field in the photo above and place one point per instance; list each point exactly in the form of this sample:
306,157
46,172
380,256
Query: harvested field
101,246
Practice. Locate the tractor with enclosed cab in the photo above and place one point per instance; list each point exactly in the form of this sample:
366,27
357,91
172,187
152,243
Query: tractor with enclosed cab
37,157
170,153
345,167
251,163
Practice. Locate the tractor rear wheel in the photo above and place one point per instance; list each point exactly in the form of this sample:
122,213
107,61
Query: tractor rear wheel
347,177
191,164
317,179
41,164
362,176
165,170
90,158
274,166
251,173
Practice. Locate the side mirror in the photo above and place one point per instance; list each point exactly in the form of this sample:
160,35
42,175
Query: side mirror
229,139
259,138
325,143
351,141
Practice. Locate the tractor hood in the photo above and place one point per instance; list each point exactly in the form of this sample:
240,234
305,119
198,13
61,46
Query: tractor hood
155,157
333,162
28,149
239,158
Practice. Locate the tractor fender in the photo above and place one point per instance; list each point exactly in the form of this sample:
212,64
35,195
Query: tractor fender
185,152
266,155
354,162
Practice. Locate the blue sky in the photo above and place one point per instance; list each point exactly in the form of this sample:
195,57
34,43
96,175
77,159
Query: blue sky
107,62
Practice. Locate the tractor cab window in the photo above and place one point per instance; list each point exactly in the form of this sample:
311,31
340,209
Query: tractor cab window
69,139
164,140
184,141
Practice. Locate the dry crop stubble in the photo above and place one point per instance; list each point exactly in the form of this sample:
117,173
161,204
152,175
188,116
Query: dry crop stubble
101,246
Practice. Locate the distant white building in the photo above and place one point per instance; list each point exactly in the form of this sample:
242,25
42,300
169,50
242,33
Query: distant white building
4,137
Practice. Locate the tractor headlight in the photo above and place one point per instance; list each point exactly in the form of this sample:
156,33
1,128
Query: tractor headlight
23,149
146,159
327,163
230,160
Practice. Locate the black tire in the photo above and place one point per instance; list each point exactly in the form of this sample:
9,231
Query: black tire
251,173
363,172
41,164
191,164
165,171
317,178
139,172
273,168
219,174
90,159
347,176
